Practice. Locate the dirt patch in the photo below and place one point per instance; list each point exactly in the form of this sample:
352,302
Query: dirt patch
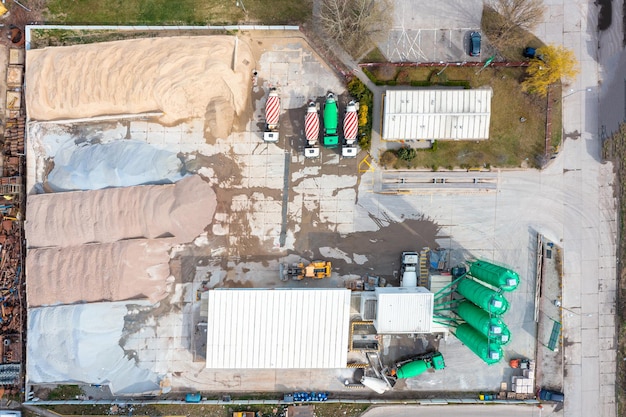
383,247
225,169
614,150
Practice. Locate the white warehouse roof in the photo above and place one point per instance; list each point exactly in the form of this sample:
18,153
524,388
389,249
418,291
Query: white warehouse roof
437,114
278,328
403,310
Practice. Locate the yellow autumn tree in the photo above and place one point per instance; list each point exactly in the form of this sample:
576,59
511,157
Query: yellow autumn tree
552,63
363,109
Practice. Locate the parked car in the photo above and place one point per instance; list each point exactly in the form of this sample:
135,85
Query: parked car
193,397
531,53
550,395
474,46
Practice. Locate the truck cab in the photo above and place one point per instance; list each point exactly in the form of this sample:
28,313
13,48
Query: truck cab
408,271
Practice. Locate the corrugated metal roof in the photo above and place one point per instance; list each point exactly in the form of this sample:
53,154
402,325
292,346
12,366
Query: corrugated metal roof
278,329
404,310
437,114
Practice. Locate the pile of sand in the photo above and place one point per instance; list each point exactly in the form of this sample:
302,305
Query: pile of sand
180,210
181,76
111,244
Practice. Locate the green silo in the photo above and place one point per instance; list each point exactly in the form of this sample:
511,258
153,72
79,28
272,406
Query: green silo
489,352
503,338
491,327
485,298
498,276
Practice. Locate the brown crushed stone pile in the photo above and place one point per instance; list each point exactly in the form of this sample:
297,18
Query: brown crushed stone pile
111,244
180,210
131,269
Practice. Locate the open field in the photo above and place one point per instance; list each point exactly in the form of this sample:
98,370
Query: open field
201,410
186,12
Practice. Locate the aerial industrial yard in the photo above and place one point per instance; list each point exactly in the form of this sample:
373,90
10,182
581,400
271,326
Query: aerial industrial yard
200,221
168,271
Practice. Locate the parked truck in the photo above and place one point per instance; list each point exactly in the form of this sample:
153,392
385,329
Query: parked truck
350,131
272,116
417,366
311,130
408,269
331,121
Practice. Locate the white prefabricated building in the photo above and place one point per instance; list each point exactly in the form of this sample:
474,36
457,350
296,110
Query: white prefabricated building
277,328
437,114
399,310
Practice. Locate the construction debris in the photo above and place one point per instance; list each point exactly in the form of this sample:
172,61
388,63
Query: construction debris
12,202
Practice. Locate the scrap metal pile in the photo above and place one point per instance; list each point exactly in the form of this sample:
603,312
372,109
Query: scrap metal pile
12,199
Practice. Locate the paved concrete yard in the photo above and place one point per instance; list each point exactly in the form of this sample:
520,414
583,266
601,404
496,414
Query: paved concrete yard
432,31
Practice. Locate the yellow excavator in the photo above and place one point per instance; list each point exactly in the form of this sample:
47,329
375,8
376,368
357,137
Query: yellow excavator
299,271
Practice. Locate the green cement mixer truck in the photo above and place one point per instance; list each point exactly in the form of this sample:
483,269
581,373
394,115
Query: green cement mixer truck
331,121
417,366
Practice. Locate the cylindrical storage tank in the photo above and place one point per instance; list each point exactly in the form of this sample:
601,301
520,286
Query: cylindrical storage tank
485,298
495,275
503,338
487,351
375,384
490,326
412,369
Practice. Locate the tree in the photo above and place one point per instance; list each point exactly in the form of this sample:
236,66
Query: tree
506,21
363,111
556,64
356,24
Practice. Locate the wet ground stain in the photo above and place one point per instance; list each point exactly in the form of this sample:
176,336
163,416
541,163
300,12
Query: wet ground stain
382,247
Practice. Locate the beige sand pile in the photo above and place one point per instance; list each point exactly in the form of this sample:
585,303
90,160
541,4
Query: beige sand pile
180,210
132,269
111,244
181,76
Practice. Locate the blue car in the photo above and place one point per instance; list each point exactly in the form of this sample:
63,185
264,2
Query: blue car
193,398
474,49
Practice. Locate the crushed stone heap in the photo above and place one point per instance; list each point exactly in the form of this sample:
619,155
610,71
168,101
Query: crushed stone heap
182,77
111,244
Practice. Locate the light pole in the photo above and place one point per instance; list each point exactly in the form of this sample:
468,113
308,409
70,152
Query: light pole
571,91
558,304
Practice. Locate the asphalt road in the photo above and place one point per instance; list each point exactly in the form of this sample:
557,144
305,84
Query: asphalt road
491,410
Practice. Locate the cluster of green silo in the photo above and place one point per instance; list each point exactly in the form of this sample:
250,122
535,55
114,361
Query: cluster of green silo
483,331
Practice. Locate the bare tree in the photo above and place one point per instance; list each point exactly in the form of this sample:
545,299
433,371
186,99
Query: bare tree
506,21
525,14
356,24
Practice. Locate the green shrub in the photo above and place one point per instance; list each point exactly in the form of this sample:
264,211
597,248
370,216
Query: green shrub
359,91
406,154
